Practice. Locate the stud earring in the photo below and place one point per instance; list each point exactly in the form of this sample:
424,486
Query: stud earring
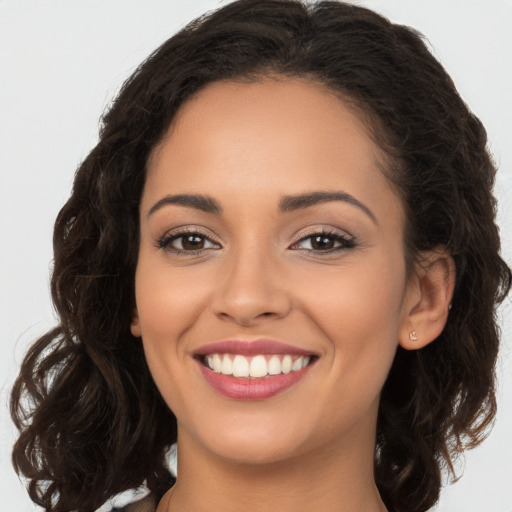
413,336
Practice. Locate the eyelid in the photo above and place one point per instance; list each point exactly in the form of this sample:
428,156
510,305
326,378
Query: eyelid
163,241
348,241
322,230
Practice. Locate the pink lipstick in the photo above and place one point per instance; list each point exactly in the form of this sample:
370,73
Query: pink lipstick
253,370
251,348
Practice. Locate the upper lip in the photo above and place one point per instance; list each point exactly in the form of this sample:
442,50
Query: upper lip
251,348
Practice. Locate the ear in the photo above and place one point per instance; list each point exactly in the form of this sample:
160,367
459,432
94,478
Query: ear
135,325
428,299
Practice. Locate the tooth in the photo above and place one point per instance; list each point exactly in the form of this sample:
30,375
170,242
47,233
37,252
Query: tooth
258,367
305,361
286,365
274,366
217,363
227,365
240,366
209,362
297,364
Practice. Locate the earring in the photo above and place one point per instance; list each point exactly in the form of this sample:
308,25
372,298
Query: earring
413,336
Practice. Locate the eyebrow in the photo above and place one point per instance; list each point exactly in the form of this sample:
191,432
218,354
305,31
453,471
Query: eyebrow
199,202
286,204
300,201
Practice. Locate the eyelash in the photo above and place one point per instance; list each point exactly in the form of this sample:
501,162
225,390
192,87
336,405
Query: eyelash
345,242
166,241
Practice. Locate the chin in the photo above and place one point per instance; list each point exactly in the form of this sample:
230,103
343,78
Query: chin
253,444
255,452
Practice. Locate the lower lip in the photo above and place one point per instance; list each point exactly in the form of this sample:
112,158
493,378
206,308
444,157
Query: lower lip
251,389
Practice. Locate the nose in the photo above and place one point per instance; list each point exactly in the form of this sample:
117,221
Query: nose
252,290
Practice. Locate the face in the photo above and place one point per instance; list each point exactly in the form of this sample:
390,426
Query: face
271,281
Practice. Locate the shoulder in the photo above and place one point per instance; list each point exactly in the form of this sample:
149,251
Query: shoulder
146,504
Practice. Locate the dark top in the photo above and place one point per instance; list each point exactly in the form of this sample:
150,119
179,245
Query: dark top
146,504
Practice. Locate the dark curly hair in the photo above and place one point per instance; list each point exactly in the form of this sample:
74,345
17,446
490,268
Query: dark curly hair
85,402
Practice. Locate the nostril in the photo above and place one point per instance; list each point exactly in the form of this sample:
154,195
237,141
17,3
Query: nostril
246,305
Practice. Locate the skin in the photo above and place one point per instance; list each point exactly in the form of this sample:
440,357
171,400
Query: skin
247,145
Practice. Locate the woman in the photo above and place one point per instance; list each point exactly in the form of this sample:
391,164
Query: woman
281,253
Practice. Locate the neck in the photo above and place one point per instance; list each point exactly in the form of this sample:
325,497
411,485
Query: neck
330,478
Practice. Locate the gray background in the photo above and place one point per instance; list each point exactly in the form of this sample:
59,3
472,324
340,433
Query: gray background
62,61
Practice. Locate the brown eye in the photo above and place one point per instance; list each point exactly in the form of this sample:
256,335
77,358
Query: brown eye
192,242
187,243
324,243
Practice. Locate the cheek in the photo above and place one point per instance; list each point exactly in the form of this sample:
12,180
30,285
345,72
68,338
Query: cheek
359,309
360,316
168,303
357,298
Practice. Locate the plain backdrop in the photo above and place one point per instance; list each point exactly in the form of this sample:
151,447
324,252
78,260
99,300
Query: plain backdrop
62,61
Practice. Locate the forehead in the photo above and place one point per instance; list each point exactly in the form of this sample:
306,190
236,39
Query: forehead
274,136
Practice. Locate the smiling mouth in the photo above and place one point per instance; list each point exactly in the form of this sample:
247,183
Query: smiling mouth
255,367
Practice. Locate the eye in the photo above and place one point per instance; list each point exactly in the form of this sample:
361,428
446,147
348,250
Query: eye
324,242
187,242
